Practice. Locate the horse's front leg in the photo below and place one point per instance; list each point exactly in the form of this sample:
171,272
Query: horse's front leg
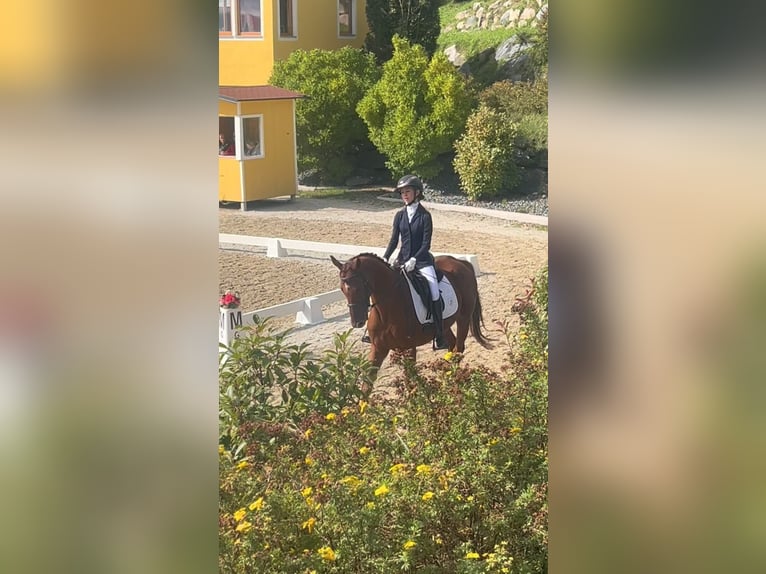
377,355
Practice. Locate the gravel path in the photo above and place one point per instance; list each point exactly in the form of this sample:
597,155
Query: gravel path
510,254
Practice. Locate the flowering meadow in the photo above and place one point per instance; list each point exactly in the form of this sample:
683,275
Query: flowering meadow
449,475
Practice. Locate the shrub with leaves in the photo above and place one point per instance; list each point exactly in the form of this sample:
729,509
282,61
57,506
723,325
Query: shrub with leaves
264,380
450,475
329,131
416,111
484,155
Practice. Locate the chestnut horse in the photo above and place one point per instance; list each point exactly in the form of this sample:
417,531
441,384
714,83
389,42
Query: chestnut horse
368,282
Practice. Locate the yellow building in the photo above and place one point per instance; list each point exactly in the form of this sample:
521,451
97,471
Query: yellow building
253,34
257,149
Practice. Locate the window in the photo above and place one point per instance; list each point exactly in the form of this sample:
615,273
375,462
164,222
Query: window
346,18
226,136
287,19
250,17
239,18
224,17
251,130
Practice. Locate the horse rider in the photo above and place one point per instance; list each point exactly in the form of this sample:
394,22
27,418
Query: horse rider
414,225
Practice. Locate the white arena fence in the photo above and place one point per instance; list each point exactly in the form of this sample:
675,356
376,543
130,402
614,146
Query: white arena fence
308,311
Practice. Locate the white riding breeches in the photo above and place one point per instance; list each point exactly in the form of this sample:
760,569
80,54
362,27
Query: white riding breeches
430,274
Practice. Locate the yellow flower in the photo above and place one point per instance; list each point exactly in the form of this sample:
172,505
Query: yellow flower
326,553
307,434
422,469
351,481
309,524
306,492
398,468
345,411
448,355
243,464
257,505
309,461
364,450
369,505
363,406
472,556
515,430
330,416
244,526
373,429
410,544
493,441
220,449
240,514
427,495
382,490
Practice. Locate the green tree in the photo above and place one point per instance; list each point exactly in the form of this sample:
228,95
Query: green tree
415,20
329,131
417,110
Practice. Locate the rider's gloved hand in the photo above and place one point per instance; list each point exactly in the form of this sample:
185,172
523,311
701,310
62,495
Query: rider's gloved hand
409,265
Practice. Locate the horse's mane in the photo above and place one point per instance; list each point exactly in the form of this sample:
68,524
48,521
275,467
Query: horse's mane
374,256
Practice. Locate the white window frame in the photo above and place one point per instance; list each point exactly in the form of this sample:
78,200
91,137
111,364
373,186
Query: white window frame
239,130
354,29
235,34
295,23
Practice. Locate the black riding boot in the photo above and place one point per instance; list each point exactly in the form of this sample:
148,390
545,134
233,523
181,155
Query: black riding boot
439,342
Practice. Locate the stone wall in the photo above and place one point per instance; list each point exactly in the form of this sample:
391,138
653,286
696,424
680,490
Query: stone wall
499,14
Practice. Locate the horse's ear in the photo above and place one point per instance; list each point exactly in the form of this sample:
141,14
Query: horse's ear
335,262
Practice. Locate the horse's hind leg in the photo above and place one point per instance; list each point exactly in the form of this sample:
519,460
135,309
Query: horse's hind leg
462,333
450,336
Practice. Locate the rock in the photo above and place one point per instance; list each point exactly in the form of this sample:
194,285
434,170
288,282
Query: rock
528,14
470,23
455,57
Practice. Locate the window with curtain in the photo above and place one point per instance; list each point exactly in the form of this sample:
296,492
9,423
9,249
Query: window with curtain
346,18
224,17
250,17
286,18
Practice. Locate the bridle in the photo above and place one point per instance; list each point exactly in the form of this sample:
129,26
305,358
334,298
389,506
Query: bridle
366,304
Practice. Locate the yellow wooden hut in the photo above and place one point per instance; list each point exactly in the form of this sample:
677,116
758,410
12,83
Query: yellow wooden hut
258,159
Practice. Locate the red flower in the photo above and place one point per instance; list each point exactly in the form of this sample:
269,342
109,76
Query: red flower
229,300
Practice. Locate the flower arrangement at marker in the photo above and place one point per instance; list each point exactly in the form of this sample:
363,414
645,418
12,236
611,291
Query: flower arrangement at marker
229,300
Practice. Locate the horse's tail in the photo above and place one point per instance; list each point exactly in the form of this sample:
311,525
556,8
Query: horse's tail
477,320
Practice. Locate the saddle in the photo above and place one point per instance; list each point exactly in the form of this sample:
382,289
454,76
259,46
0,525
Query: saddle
420,284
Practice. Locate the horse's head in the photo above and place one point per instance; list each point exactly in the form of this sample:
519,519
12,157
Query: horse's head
355,288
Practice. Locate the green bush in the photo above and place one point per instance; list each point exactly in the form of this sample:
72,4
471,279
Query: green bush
416,111
531,143
329,131
518,99
266,380
448,476
484,155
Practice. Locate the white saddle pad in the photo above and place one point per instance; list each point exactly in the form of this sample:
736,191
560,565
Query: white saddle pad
448,294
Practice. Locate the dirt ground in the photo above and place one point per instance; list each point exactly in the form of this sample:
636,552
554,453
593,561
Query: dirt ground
509,254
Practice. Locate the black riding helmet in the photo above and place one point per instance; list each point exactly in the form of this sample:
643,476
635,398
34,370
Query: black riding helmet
411,181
